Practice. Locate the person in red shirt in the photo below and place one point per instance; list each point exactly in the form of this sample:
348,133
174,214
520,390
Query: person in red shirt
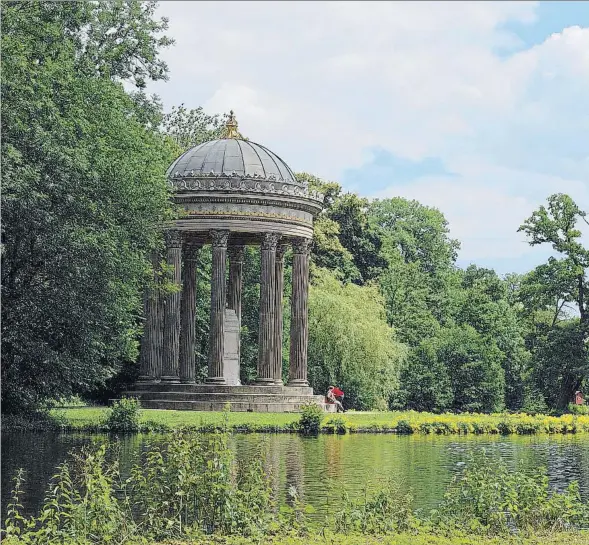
333,394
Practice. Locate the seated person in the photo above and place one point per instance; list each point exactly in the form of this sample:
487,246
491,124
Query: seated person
332,397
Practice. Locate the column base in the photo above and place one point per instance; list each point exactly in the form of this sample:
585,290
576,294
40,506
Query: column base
170,380
215,380
265,382
187,381
278,382
147,380
297,383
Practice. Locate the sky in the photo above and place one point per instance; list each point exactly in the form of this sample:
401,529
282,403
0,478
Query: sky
480,109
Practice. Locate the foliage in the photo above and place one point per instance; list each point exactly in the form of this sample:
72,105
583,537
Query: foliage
123,416
192,488
491,498
350,343
82,191
459,369
553,287
310,420
92,420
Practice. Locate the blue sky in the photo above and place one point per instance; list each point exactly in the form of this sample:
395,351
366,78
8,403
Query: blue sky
480,109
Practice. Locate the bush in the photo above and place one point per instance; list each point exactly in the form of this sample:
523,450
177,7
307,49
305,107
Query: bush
491,498
311,418
578,409
336,424
123,416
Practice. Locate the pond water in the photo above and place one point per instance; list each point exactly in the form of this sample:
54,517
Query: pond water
423,464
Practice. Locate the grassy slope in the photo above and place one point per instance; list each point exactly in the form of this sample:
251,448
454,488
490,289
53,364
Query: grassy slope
88,417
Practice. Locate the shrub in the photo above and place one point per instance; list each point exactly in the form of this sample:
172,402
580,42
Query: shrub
123,416
404,427
336,424
311,418
578,409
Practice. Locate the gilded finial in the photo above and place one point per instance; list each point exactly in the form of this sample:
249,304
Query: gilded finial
231,126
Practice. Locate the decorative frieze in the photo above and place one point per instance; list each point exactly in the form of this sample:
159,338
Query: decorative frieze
235,183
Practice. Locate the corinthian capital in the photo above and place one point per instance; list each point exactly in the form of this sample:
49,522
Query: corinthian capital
219,238
301,246
173,238
270,241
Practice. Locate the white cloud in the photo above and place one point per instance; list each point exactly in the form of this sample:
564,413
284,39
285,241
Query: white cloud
319,82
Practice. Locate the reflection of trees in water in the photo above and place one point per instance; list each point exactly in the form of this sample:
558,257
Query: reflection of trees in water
293,462
314,466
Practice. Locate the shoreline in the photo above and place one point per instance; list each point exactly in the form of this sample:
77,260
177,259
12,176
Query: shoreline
92,420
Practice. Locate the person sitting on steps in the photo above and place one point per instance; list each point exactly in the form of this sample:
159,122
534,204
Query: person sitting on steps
333,394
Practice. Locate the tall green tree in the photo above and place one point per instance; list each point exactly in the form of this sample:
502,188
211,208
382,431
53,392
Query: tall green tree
553,287
350,343
83,191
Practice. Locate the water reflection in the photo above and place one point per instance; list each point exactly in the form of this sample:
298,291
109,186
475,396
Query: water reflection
322,468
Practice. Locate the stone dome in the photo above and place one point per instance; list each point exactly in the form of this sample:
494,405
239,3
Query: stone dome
231,157
239,186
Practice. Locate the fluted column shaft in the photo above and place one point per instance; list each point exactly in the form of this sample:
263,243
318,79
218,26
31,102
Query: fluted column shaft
267,308
218,297
152,332
236,254
190,252
172,309
299,328
278,295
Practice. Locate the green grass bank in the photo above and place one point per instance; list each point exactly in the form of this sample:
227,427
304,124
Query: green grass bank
92,419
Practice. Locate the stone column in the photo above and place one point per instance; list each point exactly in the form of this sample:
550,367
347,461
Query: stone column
278,293
149,364
299,333
236,254
267,306
190,252
218,297
171,345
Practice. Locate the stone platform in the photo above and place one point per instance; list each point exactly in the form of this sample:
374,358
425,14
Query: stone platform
205,397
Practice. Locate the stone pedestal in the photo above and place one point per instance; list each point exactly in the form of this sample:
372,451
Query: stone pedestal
230,353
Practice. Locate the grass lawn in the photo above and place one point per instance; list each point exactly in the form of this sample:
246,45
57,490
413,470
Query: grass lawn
90,418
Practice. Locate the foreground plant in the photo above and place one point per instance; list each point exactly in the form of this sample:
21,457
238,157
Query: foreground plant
193,489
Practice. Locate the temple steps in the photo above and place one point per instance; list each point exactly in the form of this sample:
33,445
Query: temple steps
213,388
220,397
207,397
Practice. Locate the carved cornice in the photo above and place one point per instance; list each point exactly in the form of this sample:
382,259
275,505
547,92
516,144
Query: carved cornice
219,238
250,184
173,238
270,241
301,246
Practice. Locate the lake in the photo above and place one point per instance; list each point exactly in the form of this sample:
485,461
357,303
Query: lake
321,468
